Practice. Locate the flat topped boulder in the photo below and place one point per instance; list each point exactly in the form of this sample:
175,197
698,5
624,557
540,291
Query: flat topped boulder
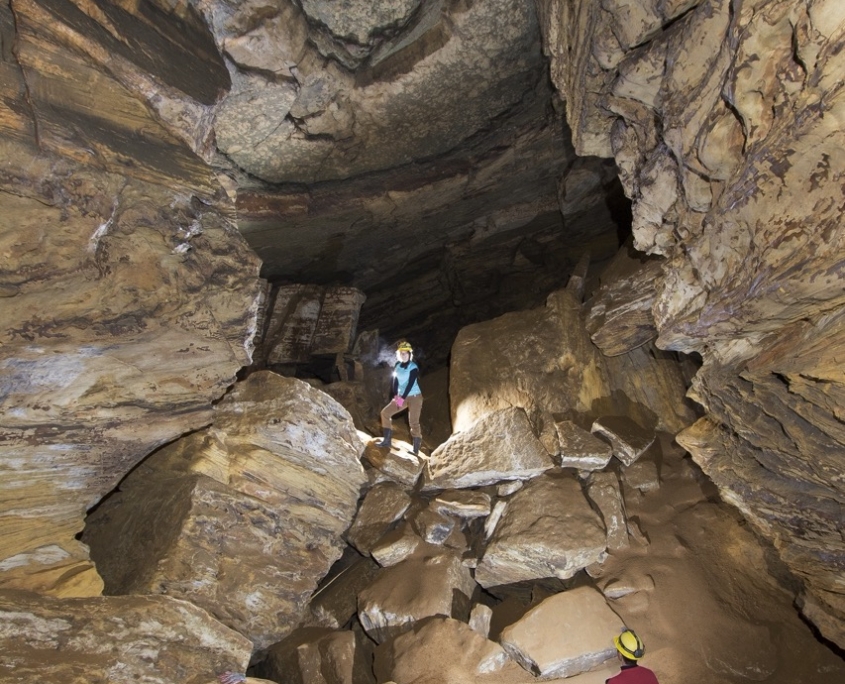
581,449
446,651
419,587
548,530
564,635
628,439
398,463
383,505
500,446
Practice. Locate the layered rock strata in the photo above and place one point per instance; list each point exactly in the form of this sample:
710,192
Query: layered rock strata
723,120
244,518
128,297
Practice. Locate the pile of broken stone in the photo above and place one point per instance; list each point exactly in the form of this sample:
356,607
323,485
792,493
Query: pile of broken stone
497,520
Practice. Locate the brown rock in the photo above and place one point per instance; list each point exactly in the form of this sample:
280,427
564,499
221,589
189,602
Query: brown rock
383,505
628,439
242,519
417,588
130,638
603,490
500,446
580,449
582,623
548,530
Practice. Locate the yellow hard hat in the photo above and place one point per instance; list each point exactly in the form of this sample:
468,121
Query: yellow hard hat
629,645
404,345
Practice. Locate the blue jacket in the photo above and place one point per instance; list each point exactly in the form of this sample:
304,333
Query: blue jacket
406,380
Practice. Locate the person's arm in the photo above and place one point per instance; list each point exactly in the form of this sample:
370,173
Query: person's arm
394,385
412,378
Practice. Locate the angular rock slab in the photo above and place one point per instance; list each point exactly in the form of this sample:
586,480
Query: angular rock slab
417,588
603,490
383,505
397,545
628,439
397,463
547,530
500,446
581,449
333,604
155,639
317,656
565,635
445,651
463,504
242,519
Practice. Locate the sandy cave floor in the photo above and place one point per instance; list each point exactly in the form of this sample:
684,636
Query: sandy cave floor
714,603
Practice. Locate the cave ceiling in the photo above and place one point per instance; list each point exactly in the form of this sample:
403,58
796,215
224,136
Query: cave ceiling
414,149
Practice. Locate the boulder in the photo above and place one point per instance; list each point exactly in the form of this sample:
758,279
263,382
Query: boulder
383,505
317,656
464,504
397,545
500,446
603,490
629,440
566,634
581,449
548,530
419,587
244,518
336,601
156,639
398,463
445,651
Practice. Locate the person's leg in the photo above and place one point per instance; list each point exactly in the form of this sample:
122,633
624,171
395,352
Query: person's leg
414,410
386,414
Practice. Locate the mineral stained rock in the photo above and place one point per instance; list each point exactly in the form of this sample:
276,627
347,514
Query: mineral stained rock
129,298
723,121
242,519
156,639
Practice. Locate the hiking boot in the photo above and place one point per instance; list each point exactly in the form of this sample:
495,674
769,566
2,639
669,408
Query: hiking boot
417,445
385,442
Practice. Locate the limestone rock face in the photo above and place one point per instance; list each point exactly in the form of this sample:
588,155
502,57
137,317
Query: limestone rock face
544,361
156,639
315,124
547,530
242,519
129,298
734,164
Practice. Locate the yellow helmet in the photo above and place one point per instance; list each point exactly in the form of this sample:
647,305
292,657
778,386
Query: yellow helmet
405,346
629,645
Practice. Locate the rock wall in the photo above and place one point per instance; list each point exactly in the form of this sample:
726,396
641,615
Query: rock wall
724,118
127,295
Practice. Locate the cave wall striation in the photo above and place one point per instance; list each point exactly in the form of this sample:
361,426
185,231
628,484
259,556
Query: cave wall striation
128,296
725,119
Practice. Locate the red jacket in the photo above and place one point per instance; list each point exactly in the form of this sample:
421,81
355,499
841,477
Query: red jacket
634,674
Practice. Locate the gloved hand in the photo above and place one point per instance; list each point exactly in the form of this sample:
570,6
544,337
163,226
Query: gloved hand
231,677
399,401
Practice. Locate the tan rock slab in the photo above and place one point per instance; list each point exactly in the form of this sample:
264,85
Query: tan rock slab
641,475
420,587
500,446
547,530
463,504
479,619
243,519
564,635
581,449
397,545
604,491
156,639
383,505
433,527
445,651
397,463
628,439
